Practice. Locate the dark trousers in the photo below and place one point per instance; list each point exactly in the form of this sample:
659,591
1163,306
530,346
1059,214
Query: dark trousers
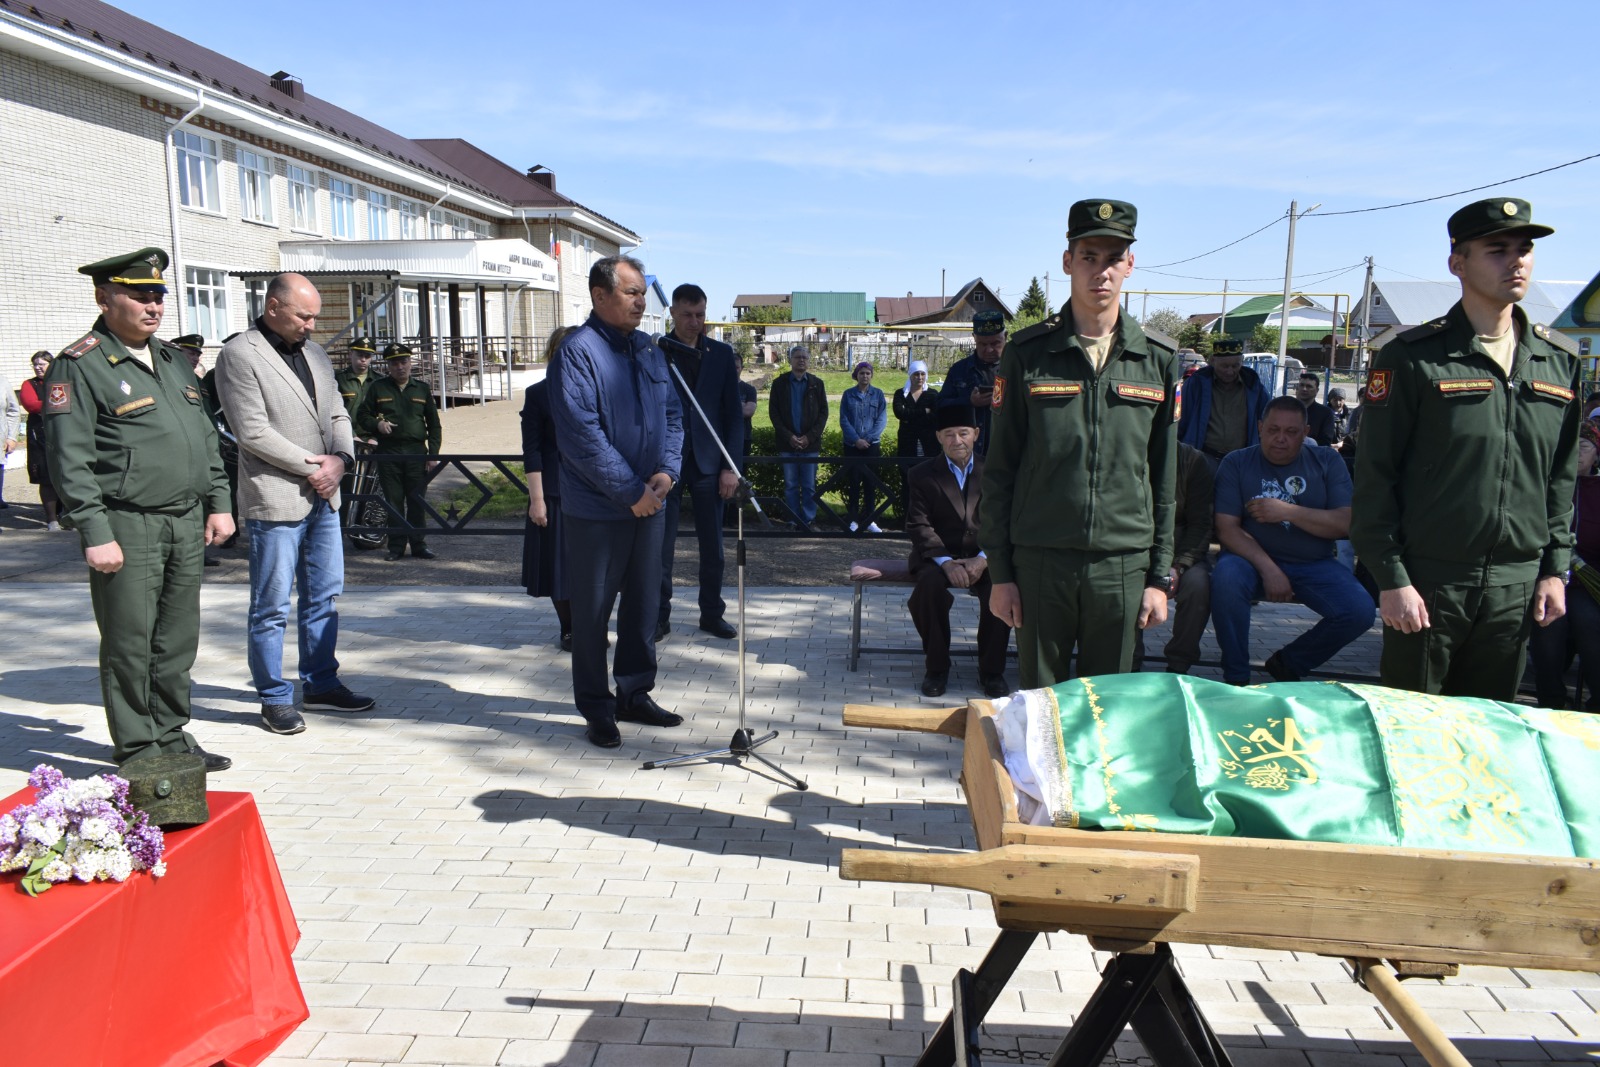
930,605
861,493
149,618
1073,599
403,485
1550,649
1473,647
607,559
1189,611
707,508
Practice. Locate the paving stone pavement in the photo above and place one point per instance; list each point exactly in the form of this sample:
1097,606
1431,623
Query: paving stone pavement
476,885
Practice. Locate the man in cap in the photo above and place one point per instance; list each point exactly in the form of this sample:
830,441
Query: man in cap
1079,481
942,522
193,346
400,414
134,459
971,381
1223,404
1465,474
278,391
354,379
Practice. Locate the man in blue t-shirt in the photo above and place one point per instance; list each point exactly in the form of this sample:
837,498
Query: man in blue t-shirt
1281,505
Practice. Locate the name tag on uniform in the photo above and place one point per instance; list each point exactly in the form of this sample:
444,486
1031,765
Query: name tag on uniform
1148,394
134,405
1054,388
419,400
1466,386
386,400
1550,389
192,393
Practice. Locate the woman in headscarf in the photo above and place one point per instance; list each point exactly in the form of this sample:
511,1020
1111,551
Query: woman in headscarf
916,406
1551,648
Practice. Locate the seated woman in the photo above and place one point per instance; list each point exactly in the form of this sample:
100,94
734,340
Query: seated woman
1551,648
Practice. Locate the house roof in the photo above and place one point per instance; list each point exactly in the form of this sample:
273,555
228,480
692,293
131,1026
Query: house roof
839,309
898,308
1584,310
1411,303
505,182
1267,305
761,300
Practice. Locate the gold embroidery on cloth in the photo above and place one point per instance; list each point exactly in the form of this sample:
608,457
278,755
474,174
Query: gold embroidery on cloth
1580,725
1129,822
1068,816
1268,761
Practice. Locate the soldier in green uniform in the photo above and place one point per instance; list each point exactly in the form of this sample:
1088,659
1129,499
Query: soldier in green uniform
355,379
134,459
1465,477
1078,488
399,413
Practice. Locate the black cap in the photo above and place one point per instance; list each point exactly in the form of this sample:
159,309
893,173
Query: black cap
949,415
1227,346
190,340
1102,218
396,351
1495,216
988,323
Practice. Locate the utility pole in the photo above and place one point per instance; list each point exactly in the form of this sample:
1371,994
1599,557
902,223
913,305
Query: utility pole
1363,357
941,283
1048,307
1288,279
1222,325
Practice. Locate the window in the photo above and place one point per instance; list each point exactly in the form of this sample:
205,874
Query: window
377,216
343,212
303,198
255,298
437,226
410,221
205,293
197,170
410,316
459,228
255,186
1583,346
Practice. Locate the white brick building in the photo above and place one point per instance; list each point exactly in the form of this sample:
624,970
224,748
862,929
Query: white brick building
116,134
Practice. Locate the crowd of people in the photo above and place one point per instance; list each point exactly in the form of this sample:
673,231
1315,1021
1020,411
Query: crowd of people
1069,477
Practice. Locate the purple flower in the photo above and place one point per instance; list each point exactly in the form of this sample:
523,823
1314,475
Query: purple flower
46,778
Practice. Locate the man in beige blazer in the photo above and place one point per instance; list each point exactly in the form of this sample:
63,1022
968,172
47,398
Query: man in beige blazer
278,392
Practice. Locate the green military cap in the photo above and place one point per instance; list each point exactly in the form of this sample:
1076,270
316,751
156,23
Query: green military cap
364,344
189,340
988,323
142,268
168,787
1227,346
1102,218
396,351
1495,216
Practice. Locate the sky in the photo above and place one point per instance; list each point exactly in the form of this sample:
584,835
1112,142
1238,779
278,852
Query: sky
895,147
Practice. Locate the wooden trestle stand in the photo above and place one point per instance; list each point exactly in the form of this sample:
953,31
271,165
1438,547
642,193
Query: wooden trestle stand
1423,911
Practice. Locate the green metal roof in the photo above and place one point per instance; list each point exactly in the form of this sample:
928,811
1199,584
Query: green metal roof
840,309
1584,311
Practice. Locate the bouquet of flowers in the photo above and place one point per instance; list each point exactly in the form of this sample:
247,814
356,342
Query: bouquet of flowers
85,830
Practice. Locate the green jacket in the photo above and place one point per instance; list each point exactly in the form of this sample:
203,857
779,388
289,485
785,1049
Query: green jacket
1080,460
412,411
1464,475
127,438
353,389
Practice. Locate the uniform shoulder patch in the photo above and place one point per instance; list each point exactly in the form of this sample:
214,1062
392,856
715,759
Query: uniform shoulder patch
1427,329
1379,383
1557,339
997,401
81,347
58,398
1038,329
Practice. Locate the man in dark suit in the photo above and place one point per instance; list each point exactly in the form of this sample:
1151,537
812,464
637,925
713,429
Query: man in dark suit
711,371
942,523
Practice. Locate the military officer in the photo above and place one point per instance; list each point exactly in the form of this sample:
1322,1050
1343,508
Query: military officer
355,379
193,346
134,459
971,381
1078,488
1465,477
400,414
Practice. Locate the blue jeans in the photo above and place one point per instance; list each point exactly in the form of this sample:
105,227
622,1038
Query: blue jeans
1325,587
800,488
308,553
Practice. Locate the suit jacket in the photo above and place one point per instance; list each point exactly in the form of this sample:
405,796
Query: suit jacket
716,387
942,519
278,426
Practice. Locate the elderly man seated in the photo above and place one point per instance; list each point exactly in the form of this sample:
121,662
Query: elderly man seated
942,522
1281,505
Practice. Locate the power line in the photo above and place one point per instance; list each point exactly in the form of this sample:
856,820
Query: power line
1214,251
1458,192
1272,278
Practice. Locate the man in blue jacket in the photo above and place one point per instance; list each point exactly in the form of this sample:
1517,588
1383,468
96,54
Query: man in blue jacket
1223,404
711,371
620,426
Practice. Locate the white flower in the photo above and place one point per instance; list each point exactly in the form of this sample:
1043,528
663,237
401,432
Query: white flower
57,870
44,831
159,869
118,865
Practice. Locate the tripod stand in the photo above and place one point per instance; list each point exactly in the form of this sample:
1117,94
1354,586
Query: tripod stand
744,744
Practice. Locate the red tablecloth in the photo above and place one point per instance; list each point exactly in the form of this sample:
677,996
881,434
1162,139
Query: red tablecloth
188,970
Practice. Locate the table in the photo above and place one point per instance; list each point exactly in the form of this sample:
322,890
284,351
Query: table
189,970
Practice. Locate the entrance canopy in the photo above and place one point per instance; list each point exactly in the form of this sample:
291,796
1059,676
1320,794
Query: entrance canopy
486,261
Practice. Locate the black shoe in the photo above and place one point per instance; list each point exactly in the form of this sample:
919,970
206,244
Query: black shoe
1278,669
646,712
720,628
339,698
994,686
232,540
212,561
934,683
394,554
282,718
424,552
213,761
566,642
662,630
603,734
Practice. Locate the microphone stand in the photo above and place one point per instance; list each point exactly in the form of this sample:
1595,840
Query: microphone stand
744,744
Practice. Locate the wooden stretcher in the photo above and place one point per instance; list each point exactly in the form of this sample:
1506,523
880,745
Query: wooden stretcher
1424,911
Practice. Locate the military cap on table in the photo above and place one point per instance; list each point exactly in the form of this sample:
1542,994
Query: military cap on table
142,268
1499,215
1102,218
988,323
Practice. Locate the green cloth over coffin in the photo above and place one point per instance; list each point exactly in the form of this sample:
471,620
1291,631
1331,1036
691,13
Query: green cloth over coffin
1304,761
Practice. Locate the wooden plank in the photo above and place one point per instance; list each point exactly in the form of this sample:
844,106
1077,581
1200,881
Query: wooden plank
949,721
981,775
1143,882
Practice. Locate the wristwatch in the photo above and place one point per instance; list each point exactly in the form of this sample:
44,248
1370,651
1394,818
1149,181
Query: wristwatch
1163,582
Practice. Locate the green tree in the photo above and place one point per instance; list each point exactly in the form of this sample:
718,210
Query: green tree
1033,306
1195,336
1169,321
1264,338
767,313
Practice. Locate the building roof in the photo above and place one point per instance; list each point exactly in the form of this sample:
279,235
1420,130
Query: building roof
838,309
503,181
1414,302
761,300
1583,313
898,308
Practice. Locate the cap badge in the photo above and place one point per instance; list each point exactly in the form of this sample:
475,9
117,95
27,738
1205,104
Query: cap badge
1105,211
1510,208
